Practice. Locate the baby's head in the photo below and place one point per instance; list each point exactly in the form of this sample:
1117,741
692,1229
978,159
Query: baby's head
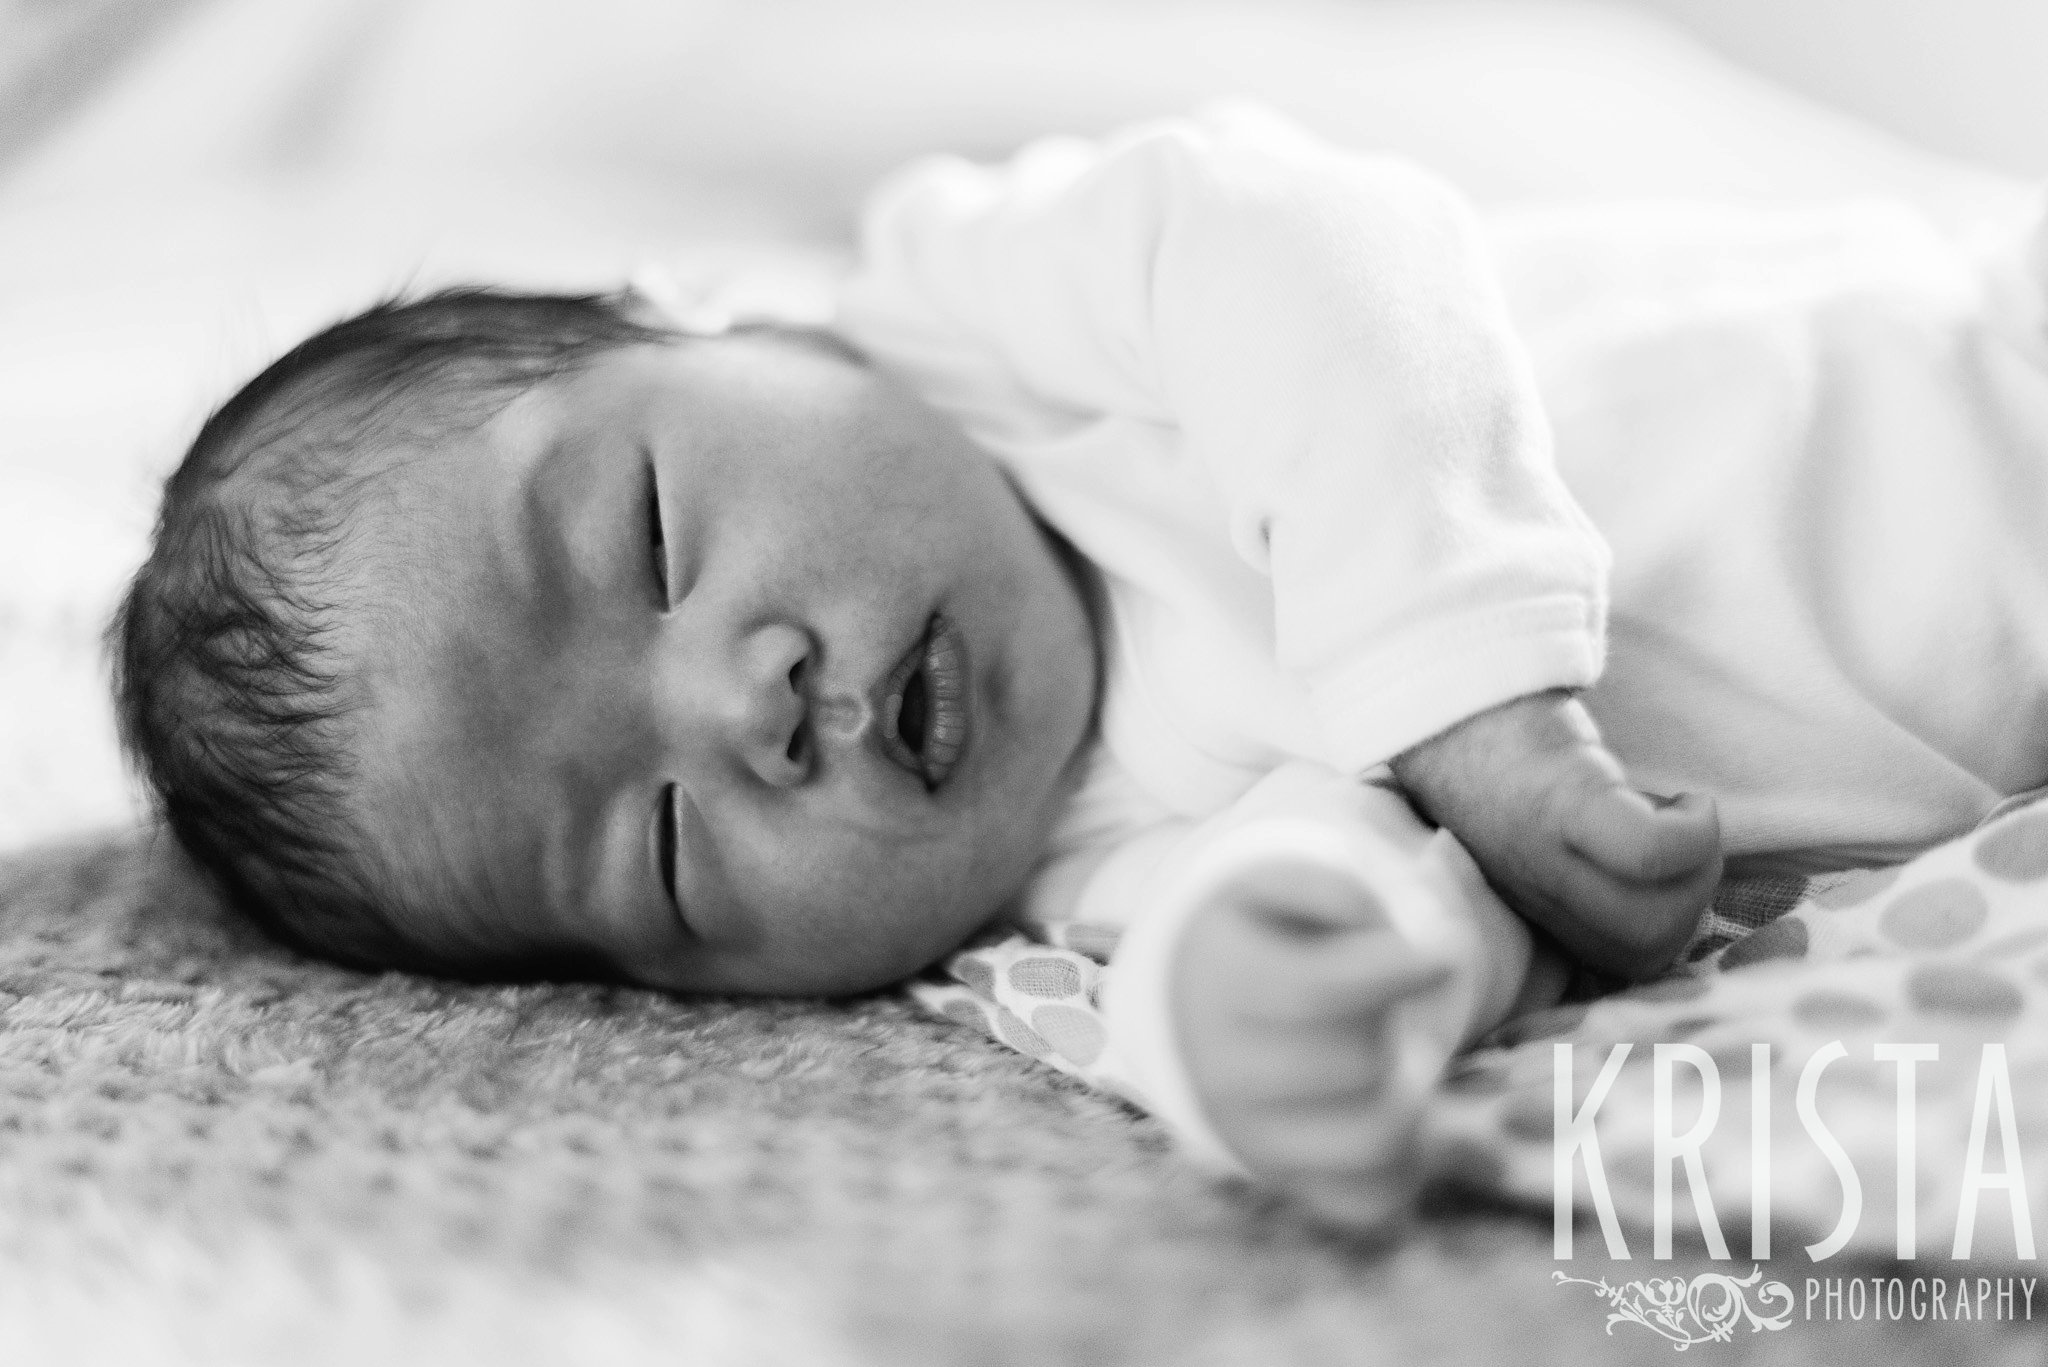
496,634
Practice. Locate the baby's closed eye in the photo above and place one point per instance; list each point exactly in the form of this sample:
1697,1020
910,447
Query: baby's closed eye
657,532
665,845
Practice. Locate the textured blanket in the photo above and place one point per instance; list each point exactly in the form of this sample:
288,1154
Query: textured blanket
1855,1064
213,1151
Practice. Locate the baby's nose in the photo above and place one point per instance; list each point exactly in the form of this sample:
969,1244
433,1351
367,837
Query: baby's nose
769,708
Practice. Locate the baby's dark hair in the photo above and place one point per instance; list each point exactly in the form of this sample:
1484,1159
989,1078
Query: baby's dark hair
230,695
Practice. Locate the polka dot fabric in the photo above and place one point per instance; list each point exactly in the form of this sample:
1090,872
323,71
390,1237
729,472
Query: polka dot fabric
1950,950
1036,988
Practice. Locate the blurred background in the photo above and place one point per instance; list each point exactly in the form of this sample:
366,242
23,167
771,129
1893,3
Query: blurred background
1961,77
187,186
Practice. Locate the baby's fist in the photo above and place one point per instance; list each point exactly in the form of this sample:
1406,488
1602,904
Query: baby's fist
1285,988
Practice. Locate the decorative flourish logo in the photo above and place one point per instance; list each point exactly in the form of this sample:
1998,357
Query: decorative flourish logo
1706,1309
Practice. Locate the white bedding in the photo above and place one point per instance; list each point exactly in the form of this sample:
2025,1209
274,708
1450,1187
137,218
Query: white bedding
272,166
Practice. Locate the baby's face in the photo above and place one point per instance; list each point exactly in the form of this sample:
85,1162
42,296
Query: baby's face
730,662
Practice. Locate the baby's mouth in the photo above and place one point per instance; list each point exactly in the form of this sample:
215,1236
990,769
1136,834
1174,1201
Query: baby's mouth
924,704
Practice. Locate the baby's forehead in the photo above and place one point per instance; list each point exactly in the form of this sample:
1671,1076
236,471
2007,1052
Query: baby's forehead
437,473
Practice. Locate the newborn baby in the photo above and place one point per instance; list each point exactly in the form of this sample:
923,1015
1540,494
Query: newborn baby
494,634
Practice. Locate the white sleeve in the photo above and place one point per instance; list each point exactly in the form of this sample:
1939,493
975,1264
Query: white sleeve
1325,333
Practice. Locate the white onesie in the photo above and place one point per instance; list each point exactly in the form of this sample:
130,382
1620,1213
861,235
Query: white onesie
1286,400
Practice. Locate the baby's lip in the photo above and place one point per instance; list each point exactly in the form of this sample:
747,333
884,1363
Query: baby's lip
889,687
939,652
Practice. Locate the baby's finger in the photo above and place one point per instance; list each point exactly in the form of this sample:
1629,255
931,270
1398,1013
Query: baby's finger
1356,1167
1342,979
1633,929
1279,1076
1639,838
1338,1139
1304,900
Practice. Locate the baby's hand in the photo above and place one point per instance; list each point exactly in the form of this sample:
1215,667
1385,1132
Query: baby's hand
1618,877
1284,988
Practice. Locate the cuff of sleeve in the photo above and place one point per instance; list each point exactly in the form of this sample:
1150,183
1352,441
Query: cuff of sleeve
1382,702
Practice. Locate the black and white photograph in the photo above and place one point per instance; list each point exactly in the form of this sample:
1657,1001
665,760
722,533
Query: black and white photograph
1023,683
